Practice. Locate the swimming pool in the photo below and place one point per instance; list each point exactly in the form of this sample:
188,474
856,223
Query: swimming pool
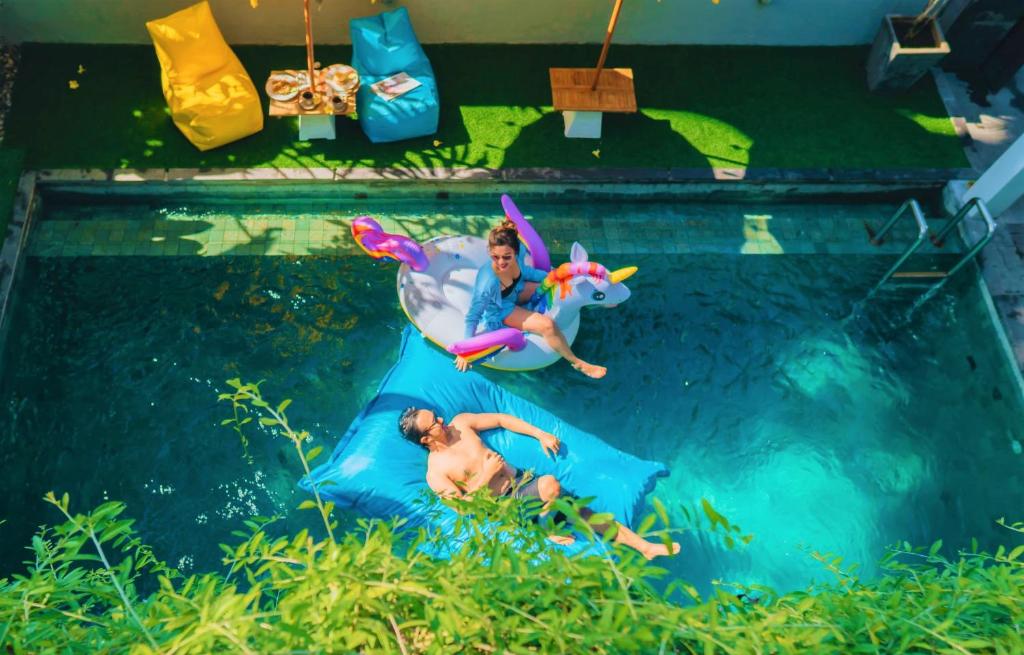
743,372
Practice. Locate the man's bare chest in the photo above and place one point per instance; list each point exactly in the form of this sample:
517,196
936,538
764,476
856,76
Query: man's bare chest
463,460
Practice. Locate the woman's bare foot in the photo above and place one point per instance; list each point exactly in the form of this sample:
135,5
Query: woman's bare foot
652,550
590,370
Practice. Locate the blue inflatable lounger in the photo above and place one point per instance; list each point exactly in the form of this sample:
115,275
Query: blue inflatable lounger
382,46
378,474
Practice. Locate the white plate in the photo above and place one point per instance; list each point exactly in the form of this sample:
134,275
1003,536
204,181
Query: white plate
341,78
287,95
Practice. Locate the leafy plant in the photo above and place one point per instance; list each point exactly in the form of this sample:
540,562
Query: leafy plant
502,588
247,399
374,590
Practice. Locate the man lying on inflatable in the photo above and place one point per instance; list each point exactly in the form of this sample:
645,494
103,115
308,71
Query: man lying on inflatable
459,463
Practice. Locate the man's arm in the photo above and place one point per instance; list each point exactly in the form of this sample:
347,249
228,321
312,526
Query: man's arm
443,486
480,422
493,463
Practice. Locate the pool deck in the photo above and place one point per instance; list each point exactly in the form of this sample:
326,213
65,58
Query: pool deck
991,130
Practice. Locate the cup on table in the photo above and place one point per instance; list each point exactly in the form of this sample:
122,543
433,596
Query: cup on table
308,100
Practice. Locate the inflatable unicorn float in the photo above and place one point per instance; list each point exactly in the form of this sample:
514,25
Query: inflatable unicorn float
435,287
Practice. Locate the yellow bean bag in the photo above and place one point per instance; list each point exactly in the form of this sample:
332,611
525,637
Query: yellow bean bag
212,99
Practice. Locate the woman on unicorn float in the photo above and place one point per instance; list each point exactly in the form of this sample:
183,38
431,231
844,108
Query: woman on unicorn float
501,292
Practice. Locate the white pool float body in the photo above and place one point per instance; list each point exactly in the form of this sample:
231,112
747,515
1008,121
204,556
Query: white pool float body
436,298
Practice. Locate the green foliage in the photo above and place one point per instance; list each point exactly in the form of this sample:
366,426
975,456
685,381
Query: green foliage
503,589
506,591
245,399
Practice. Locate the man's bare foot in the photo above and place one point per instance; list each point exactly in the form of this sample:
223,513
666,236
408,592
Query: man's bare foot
653,550
590,370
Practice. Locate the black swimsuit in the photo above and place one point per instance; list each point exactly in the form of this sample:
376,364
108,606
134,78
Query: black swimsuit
505,291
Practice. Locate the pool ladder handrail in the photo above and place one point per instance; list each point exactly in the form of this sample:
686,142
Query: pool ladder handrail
937,240
879,238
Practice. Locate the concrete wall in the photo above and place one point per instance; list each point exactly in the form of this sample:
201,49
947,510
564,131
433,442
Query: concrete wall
747,22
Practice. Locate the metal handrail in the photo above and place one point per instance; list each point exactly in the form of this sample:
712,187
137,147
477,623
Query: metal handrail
922,234
915,208
990,228
940,238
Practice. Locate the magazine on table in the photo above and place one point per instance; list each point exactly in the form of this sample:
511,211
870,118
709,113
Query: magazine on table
394,86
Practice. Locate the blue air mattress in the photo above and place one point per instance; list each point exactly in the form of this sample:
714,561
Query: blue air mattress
377,473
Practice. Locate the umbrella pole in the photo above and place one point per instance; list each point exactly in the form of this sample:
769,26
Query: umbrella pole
309,45
607,42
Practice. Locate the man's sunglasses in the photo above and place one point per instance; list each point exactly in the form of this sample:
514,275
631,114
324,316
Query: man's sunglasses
437,421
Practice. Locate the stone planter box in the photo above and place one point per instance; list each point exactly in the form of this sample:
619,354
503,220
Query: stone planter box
895,66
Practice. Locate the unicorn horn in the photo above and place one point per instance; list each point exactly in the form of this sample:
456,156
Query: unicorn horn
622,274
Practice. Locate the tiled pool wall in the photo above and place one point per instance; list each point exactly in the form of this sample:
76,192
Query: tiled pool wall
998,322
301,216
214,219
13,246
292,218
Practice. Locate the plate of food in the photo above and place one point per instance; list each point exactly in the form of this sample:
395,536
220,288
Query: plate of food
341,78
282,86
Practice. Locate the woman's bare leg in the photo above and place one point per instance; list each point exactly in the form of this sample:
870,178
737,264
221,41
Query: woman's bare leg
523,319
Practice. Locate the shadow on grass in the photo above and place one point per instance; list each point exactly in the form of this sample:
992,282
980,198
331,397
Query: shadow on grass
622,136
700,107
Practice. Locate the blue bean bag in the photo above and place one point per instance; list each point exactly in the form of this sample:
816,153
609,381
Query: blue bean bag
377,473
383,45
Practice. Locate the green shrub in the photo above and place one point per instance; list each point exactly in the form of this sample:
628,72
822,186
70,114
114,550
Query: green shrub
504,590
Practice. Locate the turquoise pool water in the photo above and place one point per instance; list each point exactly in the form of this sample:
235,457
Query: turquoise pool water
810,431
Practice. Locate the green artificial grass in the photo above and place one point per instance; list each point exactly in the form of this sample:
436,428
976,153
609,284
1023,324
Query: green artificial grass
700,107
10,172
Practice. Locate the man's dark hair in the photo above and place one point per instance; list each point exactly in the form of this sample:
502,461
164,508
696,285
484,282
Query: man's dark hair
407,425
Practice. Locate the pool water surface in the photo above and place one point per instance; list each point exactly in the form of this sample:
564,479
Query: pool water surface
744,373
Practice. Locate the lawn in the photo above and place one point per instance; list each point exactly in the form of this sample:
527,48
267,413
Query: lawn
700,107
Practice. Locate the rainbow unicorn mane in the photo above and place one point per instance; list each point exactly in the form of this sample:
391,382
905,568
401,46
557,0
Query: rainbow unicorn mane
560,283
560,278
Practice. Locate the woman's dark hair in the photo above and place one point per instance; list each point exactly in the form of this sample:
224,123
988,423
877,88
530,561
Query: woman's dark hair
407,426
505,234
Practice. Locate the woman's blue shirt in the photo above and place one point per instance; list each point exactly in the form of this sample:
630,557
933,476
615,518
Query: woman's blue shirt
487,305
